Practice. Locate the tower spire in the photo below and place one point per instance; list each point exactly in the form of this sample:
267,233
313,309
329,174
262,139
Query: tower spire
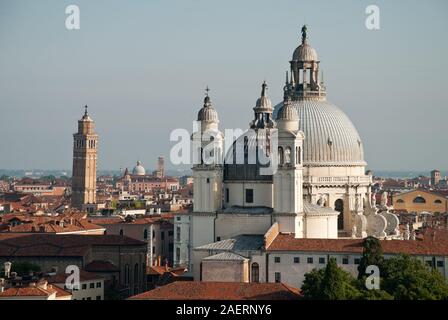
85,110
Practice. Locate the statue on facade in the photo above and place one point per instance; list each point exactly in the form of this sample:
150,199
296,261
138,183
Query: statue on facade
384,199
354,232
407,233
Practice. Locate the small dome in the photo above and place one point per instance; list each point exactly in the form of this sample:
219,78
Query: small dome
305,52
287,112
138,169
263,102
208,113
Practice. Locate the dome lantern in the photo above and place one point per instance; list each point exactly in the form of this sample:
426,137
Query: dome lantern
207,113
305,71
263,111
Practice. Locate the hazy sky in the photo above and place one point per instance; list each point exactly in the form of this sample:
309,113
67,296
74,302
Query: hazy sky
142,66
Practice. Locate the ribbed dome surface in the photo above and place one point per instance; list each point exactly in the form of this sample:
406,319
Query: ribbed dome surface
305,52
330,136
208,113
287,112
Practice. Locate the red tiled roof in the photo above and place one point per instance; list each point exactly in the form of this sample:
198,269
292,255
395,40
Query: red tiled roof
83,276
34,291
101,266
196,290
160,270
58,245
287,242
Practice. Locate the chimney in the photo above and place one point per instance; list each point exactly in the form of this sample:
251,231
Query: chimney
7,266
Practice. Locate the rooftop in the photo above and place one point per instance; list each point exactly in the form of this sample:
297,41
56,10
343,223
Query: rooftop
238,243
287,242
35,245
195,290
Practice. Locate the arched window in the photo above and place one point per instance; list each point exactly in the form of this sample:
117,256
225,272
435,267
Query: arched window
438,201
339,206
419,199
145,234
280,155
287,155
136,275
121,232
400,201
299,156
255,272
126,274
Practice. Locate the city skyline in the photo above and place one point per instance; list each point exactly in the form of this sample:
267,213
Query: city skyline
136,90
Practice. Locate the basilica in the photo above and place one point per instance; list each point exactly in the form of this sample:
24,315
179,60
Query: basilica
298,171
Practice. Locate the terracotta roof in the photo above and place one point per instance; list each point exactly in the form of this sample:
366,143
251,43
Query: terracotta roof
101,266
160,270
196,290
34,291
106,220
33,245
287,242
83,276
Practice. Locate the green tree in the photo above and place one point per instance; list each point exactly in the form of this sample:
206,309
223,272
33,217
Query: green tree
407,278
24,268
373,294
372,254
311,287
330,283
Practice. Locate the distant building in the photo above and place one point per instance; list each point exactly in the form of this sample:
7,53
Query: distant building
160,172
41,189
119,259
91,286
157,233
419,201
85,143
435,177
142,183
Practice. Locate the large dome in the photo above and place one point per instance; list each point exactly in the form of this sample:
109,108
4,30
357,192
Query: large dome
331,139
139,170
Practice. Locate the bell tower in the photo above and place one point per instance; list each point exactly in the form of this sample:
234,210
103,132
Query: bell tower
207,148
85,143
288,195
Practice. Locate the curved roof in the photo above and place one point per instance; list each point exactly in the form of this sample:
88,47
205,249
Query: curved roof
330,136
139,170
305,52
207,112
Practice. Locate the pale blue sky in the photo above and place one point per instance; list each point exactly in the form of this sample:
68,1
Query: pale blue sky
142,66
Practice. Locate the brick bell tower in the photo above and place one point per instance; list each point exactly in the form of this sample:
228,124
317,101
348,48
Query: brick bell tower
85,143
